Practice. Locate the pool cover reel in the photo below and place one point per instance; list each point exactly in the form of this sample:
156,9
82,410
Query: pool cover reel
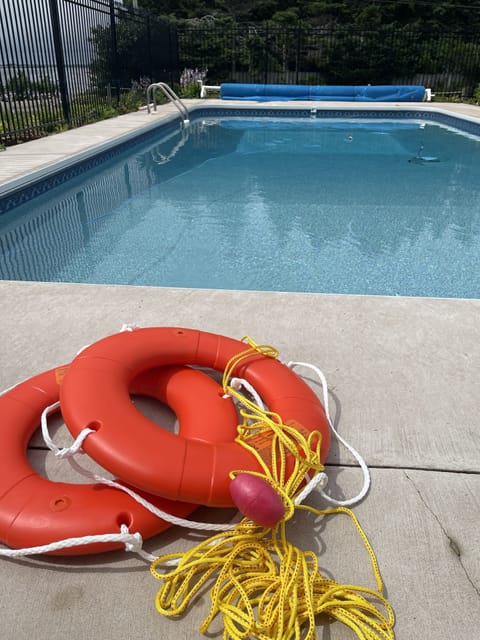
335,93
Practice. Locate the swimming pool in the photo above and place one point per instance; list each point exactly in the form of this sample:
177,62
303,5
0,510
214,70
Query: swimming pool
385,205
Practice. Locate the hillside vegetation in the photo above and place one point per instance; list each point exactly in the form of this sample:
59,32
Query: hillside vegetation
461,15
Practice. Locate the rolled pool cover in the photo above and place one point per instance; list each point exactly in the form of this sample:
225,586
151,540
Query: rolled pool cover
336,93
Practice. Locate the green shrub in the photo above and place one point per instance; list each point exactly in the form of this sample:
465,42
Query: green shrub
476,95
130,101
23,87
190,91
189,82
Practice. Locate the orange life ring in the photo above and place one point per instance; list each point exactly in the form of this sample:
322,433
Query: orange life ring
35,511
194,465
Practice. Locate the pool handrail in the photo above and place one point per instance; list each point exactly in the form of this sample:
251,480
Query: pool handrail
171,95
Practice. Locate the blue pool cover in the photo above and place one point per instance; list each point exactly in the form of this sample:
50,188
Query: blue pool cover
361,93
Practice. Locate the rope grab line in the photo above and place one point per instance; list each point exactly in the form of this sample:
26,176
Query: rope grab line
133,542
264,587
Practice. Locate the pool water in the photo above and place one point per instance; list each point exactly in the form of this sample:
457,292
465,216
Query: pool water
358,207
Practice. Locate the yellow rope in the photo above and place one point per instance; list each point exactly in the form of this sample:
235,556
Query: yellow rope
263,586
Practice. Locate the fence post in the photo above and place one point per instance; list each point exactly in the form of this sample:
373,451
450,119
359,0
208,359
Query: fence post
297,53
265,56
113,36
60,61
149,47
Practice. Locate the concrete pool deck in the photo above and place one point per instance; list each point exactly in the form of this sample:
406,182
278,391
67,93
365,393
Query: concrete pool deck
404,390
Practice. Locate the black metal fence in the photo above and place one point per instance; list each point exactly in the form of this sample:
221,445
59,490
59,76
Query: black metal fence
64,62
446,62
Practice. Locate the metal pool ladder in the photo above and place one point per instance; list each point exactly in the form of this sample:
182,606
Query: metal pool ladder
171,95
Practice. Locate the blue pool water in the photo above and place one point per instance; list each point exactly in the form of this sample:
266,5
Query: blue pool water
363,207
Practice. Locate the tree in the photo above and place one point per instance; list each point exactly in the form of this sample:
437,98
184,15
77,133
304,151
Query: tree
20,86
428,14
23,87
140,46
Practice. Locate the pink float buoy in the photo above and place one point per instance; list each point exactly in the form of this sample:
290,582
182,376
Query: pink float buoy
257,499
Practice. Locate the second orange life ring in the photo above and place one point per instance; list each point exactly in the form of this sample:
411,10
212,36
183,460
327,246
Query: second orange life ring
35,511
193,465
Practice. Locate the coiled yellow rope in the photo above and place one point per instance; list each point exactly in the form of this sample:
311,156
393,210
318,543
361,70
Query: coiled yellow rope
264,587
